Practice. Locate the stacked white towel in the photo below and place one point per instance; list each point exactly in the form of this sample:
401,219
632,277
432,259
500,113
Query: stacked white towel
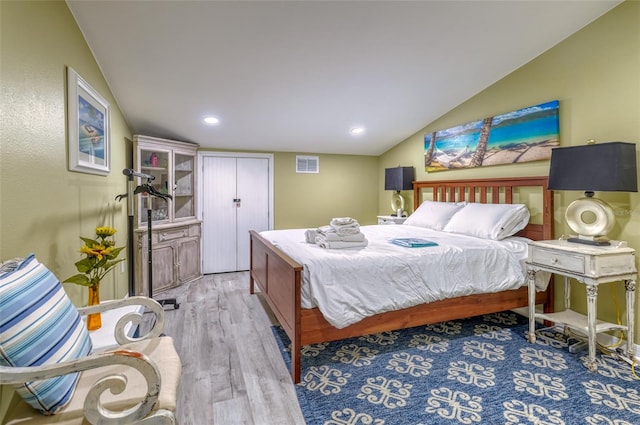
310,236
342,232
344,222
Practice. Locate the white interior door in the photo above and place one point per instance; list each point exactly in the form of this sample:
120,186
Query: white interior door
236,195
218,214
252,213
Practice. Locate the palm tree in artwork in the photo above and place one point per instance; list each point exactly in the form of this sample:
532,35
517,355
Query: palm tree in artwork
429,155
481,149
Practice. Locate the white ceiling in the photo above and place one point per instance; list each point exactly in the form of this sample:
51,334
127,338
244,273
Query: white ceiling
297,75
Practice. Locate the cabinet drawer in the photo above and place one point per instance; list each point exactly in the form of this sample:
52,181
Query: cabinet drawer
171,234
563,261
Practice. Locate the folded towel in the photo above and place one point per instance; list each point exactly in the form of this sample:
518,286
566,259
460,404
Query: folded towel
310,236
340,231
334,236
325,229
350,225
343,221
341,245
344,231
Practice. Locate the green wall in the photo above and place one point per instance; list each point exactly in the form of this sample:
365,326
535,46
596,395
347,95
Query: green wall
44,208
345,187
595,74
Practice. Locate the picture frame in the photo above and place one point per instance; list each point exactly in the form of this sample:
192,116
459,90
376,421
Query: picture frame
88,123
524,135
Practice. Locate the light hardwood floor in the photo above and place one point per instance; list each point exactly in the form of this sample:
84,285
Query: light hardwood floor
233,372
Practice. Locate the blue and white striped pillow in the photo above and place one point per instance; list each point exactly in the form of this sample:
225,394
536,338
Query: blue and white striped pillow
39,325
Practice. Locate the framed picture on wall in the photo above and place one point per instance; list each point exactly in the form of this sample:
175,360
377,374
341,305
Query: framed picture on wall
88,126
523,135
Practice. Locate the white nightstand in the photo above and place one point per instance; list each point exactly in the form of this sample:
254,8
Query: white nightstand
590,265
390,219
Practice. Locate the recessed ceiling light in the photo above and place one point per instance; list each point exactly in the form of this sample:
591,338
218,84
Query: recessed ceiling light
356,131
211,120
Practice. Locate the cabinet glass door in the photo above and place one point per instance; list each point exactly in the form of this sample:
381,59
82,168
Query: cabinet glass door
183,196
155,163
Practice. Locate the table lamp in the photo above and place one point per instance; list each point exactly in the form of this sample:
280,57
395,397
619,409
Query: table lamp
397,179
604,167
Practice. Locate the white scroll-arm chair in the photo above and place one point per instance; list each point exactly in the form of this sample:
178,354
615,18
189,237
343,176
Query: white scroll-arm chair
134,383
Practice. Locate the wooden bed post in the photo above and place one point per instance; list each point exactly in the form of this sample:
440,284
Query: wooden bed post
279,279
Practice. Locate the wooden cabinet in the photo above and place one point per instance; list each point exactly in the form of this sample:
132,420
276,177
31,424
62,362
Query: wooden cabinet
175,257
175,230
173,166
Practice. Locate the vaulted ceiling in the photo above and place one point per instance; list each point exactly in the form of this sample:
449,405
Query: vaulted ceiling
296,76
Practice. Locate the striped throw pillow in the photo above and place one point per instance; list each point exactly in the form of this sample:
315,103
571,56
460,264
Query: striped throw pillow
39,325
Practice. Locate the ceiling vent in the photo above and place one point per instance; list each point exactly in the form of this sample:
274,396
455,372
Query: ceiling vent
307,164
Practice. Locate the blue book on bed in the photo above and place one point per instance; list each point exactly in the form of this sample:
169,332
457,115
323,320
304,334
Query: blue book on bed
413,242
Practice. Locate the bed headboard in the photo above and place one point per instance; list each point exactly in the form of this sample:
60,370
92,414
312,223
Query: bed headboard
493,191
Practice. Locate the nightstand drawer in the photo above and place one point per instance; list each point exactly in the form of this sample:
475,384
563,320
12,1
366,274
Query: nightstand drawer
564,261
390,219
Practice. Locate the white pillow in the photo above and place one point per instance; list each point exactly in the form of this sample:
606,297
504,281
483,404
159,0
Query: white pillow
489,221
434,215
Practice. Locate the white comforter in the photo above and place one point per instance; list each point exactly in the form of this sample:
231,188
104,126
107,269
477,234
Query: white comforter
348,285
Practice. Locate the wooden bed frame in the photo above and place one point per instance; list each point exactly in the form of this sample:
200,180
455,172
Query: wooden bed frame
280,278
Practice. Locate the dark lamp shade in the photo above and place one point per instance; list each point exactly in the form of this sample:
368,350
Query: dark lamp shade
399,178
600,167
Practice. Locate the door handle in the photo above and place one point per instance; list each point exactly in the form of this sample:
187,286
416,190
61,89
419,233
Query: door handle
237,201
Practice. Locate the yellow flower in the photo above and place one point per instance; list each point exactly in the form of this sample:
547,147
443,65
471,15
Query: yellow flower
97,251
105,231
100,257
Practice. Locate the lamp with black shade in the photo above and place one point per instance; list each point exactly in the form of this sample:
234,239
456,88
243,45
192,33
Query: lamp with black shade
603,167
397,179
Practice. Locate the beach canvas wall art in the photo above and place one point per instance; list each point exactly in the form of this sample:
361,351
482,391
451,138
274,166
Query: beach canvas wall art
524,135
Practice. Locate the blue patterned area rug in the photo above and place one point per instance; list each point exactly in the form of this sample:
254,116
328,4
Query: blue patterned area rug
474,371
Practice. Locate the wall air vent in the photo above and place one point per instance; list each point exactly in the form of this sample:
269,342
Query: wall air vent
307,164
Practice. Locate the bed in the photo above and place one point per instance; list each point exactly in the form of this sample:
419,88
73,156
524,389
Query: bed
280,278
